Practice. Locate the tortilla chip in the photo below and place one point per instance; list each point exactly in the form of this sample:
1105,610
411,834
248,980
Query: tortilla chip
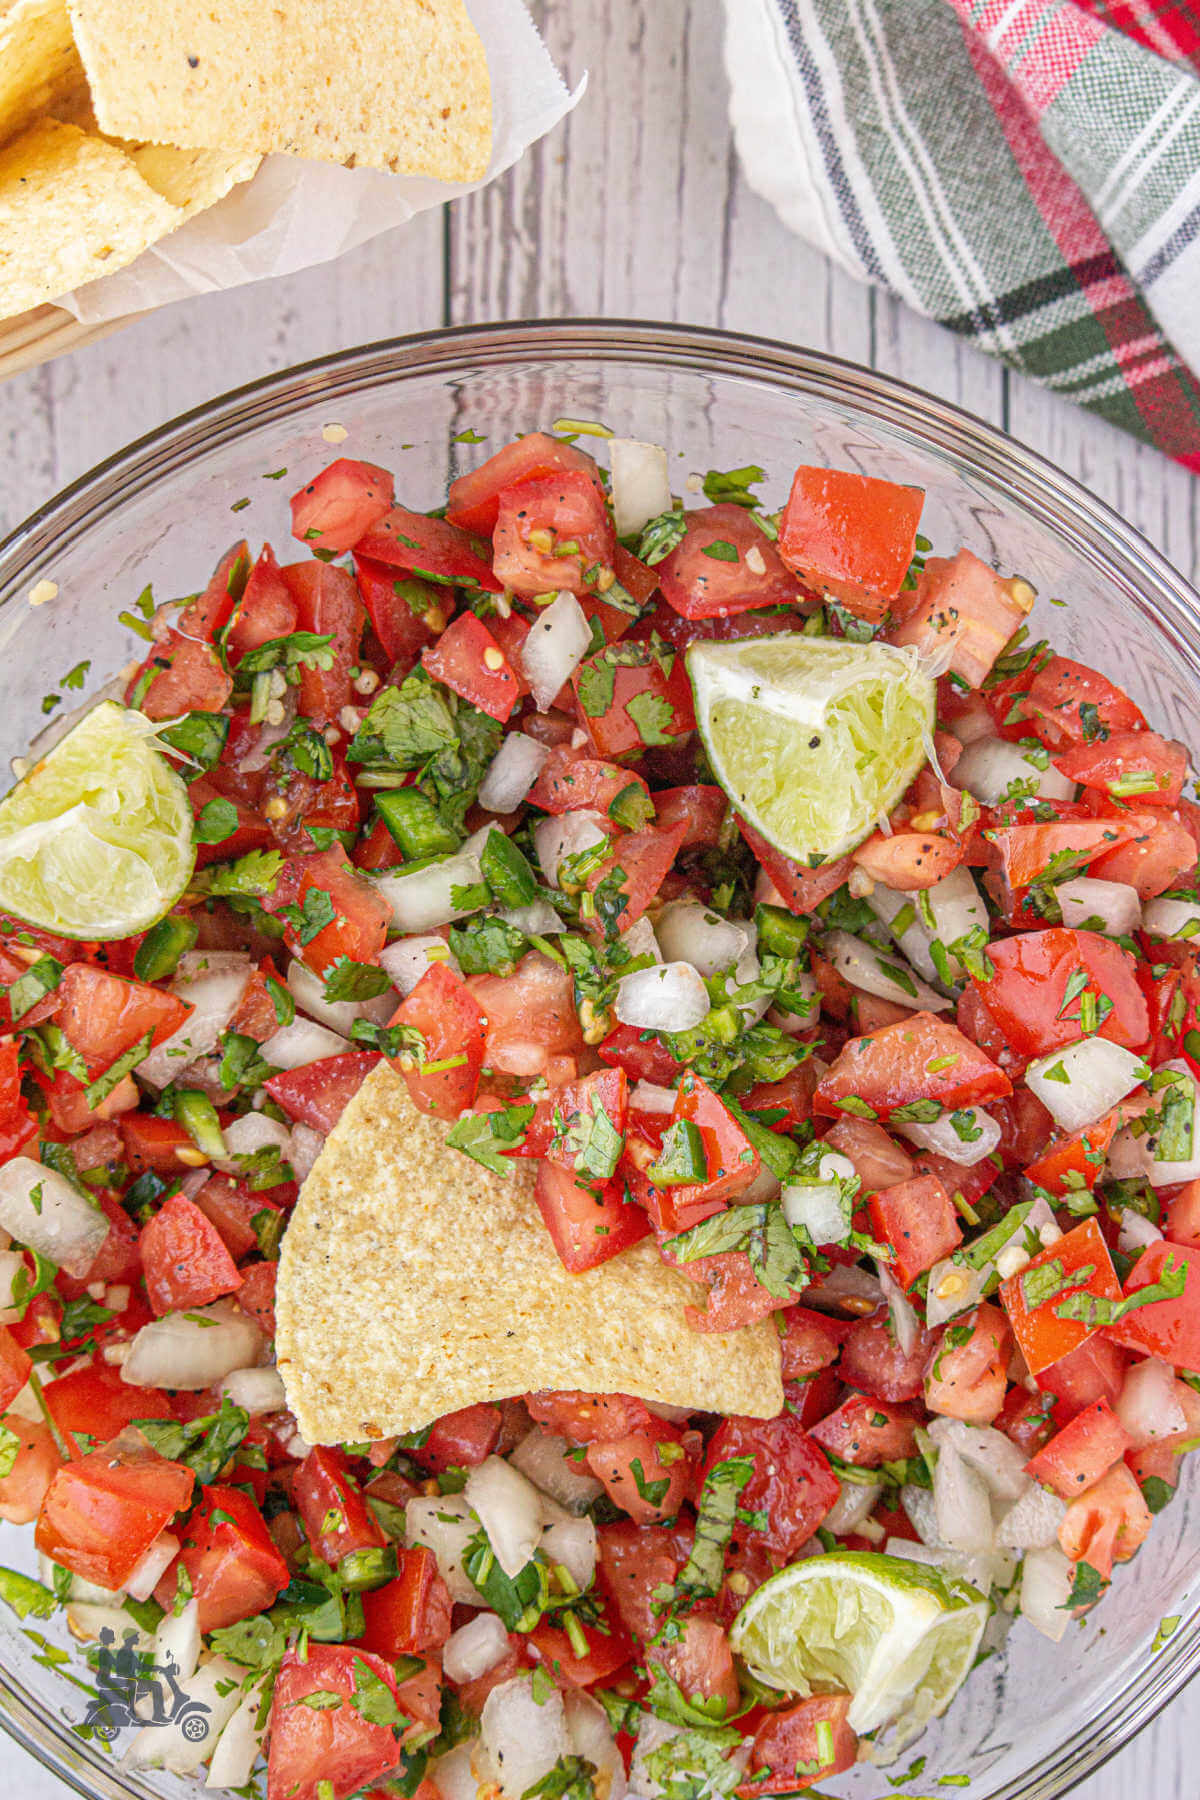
191,179
413,1282
72,208
391,84
39,64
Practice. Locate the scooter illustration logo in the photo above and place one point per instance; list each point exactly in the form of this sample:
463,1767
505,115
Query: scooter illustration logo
131,1689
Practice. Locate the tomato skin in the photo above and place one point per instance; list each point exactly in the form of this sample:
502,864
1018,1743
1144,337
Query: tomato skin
702,809
1094,1371
179,675
341,504
461,1439
566,510
731,1161
792,1480
1124,754
918,1220
327,602
908,860
256,1296
531,1015
1168,1328
589,1418
452,1025
801,890
1162,853
868,1432
639,1491
588,1224
569,781
1042,1336
265,610
1026,1419
565,1108
642,1055
403,630
103,1015
615,731
1077,1158
185,1258
873,1362
735,1295
644,857
890,1069
468,659
786,1741
474,498
417,545
93,1405
15,1366
359,926
1077,1456
963,611
1108,1523
1182,1222
102,1513
1025,997
968,1380
331,1752
232,1562
153,1143
1051,706
607,1651
318,1094
335,1516
811,1341
850,536
1027,851
698,585
410,1614
230,1206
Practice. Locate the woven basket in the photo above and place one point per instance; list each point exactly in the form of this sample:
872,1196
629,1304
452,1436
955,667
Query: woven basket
44,333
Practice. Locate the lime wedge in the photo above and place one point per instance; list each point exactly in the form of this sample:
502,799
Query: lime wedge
96,841
897,1635
813,739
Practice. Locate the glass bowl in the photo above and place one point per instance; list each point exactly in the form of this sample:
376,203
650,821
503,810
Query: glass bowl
1040,1717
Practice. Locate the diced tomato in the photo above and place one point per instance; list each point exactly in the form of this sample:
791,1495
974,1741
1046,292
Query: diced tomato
1078,1455
429,548
608,1648
468,659
634,1561
265,611
411,1614
725,563
792,1481
328,1752
103,1015
800,889
851,537
1027,1419
810,1341
256,1296
318,1094
256,1016
1026,994
474,500
868,1432
336,1518
967,1379
359,925
642,1055
341,505
638,1477
153,1143
553,534
873,1361
1182,1222
794,1745
102,1513
14,1368
908,860
1162,853
308,805
922,1058
91,1405
879,1161
1107,1523
1129,765
461,1439
1079,1262
633,872
731,1162
1094,1371
230,1559
787,1103
569,781
181,674
404,611
207,613
964,612
34,1466
1167,1328
185,1260
442,1076
648,705
588,1224
589,1418
700,1661
1027,851
1066,703
918,1220
327,602
251,831
736,1296
231,1206
564,1115
472,1694
530,1015
703,810
1074,1162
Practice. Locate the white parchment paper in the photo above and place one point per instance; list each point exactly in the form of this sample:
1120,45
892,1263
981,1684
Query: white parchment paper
296,213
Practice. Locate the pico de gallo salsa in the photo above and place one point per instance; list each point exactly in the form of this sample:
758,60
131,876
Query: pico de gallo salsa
931,1108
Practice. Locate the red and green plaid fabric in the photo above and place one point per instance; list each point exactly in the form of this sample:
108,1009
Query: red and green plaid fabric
1027,172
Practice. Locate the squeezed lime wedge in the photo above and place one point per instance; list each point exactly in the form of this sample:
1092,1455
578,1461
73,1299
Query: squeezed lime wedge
813,739
96,840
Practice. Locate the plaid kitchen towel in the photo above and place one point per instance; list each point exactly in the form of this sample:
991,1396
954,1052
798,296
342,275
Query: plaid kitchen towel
1027,172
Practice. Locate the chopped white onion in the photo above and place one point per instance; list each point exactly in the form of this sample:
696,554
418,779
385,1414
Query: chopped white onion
192,1349
1137,1233
545,1461
253,1131
855,1502
639,940
513,770
412,957
151,1565
256,1391
879,972
423,898
572,1542
302,1042
592,1738
556,838
685,1774
307,1145
558,641
538,919
1148,1406
474,1648
1032,1522
689,932
667,997
213,1695
1046,1582
239,1744
445,1524
818,1205
308,991
988,1452
1113,907
1167,917
509,1509
86,1619
453,1775
44,1212
945,912
77,1588
647,1096
961,1504
177,1639
922,1513
844,1282
906,1325
522,1737
966,1142
987,767
1081,1082
1132,1154
641,489
212,982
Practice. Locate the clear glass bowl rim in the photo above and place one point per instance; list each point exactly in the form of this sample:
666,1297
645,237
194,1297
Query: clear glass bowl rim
1092,530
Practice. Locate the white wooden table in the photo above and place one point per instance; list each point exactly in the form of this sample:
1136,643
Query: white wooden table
635,208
